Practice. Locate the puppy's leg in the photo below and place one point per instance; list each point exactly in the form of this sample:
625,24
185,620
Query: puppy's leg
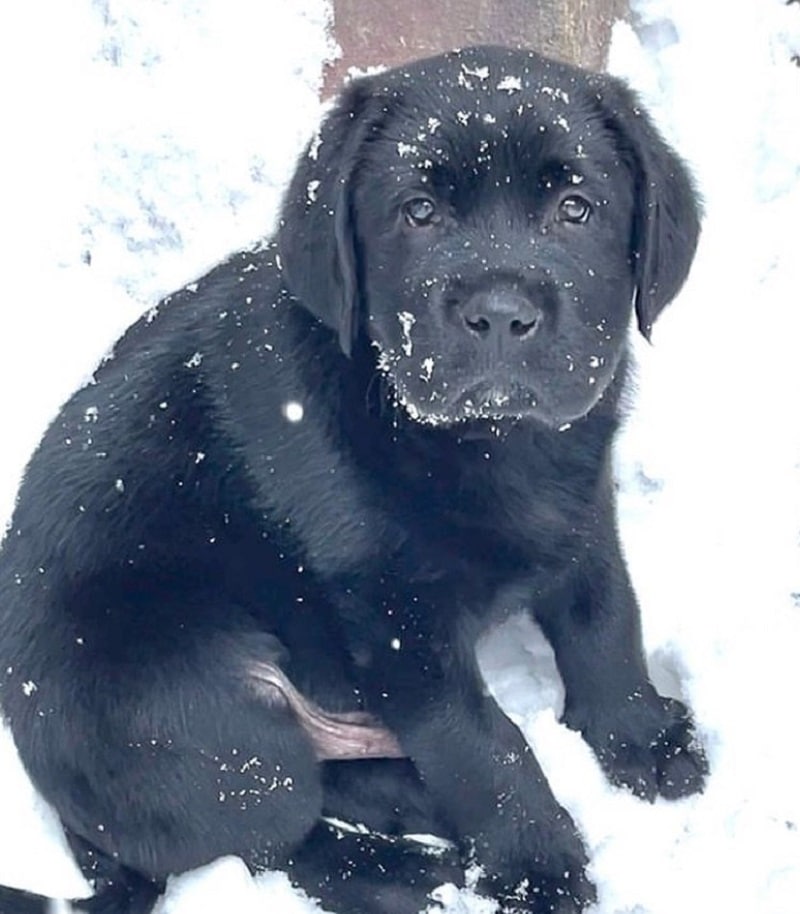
644,741
481,775
385,795
380,848
247,786
360,858
166,765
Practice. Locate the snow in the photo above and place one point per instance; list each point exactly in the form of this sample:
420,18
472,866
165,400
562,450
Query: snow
151,137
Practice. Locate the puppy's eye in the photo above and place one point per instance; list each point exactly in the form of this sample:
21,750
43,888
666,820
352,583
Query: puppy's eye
574,209
419,212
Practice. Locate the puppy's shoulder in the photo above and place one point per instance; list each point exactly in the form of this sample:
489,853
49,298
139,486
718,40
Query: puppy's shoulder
206,312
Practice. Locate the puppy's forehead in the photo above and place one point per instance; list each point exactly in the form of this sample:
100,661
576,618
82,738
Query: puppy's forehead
490,109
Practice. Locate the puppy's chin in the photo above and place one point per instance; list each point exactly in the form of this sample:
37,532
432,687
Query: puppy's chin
480,405
487,398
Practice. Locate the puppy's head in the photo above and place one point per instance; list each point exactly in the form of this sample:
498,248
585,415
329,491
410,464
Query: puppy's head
487,219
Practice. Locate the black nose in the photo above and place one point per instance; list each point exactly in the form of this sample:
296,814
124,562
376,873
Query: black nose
500,313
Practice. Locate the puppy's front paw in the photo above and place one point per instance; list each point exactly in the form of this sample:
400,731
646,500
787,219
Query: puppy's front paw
649,746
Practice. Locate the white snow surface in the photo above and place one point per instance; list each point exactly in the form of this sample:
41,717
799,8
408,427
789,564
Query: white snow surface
157,135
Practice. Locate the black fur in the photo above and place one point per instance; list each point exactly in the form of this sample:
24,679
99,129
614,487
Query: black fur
459,362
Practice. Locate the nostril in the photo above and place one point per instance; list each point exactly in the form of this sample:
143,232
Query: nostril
496,312
479,325
522,328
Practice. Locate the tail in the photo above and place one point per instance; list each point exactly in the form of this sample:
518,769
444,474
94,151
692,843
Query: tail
129,893
15,901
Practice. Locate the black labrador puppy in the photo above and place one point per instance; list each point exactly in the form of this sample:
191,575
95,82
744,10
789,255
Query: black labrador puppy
249,563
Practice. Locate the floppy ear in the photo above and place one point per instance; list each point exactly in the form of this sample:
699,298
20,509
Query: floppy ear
667,217
316,233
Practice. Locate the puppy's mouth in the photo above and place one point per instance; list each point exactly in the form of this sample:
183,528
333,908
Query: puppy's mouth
486,400
434,396
496,400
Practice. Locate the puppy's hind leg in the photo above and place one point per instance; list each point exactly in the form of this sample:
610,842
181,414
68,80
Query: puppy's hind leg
381,847
174,765
385,795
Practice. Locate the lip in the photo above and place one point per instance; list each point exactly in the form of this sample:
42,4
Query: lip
482,398
478,403
490,400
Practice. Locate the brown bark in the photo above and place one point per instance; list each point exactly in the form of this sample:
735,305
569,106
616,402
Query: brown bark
376,32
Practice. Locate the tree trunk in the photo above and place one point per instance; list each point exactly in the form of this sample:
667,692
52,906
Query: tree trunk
375,32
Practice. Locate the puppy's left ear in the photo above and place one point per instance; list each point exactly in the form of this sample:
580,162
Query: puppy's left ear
667,218
316,232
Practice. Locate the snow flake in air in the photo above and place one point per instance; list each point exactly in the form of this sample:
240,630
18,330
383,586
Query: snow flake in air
292,411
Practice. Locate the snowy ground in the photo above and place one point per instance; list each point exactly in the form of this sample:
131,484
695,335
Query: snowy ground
151,137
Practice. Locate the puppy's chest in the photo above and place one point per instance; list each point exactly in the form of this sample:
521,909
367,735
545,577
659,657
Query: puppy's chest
502,522
474,512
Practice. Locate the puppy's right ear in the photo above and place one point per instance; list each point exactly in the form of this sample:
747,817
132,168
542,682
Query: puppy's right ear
316,231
